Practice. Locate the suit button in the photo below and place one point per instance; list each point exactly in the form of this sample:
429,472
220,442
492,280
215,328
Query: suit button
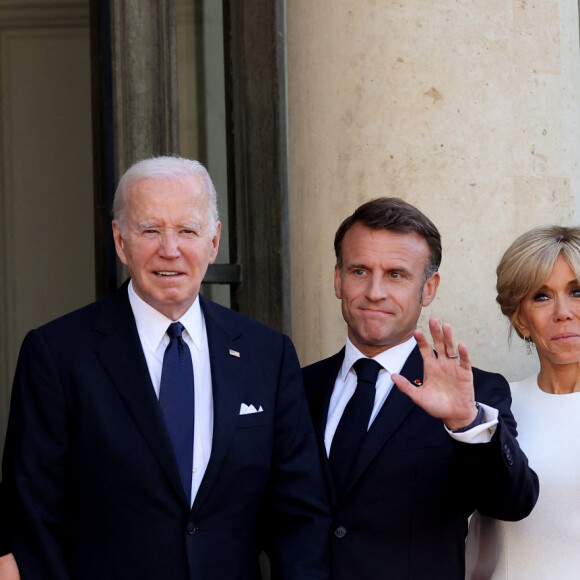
340,532
508,454
191,529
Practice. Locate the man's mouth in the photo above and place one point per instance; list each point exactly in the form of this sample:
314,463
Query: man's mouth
373,311
165,273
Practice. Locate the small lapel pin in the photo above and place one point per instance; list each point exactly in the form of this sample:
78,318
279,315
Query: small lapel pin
234,353
418,382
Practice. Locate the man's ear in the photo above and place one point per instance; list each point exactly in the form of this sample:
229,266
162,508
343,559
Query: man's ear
430,289
337,283
119,245
215,243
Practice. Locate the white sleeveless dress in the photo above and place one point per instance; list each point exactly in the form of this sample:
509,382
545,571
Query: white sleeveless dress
546,544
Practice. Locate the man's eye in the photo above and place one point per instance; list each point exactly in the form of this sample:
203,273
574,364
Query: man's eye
359,272
395,275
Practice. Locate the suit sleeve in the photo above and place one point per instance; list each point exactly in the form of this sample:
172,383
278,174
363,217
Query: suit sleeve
34,464
298,518
496,475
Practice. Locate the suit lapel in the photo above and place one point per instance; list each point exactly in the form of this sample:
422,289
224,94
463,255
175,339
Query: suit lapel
393,413
327,386
223,336
119,349
334,365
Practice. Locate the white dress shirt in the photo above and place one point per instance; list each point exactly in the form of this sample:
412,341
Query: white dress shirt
392,360
152,328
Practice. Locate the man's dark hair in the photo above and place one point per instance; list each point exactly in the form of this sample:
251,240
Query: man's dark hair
397,216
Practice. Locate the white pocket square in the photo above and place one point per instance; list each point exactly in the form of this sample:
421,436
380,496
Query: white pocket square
248,409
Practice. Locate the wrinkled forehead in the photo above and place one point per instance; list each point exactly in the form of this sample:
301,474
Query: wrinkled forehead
179,193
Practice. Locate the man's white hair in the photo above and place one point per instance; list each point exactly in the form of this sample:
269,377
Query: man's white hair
165,168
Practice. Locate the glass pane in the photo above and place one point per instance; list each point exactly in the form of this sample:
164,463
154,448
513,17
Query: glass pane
202,120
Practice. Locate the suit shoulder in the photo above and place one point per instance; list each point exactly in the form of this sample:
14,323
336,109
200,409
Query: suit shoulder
85,316
480,376
314,367
491,388
322,367
75,318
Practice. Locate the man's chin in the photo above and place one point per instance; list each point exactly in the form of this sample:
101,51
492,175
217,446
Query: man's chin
173,305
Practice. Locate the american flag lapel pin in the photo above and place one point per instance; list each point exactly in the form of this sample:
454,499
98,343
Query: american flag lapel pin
234,353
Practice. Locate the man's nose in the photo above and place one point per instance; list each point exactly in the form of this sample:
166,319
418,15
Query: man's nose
377,289
169,247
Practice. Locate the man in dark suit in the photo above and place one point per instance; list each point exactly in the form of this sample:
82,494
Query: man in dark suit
155,434
406,466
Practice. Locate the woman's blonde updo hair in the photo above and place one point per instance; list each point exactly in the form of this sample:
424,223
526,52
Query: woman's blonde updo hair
528,262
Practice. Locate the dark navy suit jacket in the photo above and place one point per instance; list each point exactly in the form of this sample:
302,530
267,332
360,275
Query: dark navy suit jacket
94,485
413,487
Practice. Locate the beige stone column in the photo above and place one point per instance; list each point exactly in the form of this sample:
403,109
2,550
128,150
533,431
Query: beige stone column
468,109
145,94
144,80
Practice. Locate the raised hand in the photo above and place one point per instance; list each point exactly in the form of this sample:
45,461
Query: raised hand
447,389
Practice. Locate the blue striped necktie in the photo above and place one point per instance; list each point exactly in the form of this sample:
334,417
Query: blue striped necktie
176,397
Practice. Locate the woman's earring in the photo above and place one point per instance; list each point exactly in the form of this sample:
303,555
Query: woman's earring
528,341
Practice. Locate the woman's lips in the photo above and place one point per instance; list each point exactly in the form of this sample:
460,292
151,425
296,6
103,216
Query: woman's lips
565,336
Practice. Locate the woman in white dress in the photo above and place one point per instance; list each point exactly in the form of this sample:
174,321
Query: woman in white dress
538,286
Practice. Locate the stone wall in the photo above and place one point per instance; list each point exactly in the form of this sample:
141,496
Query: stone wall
468,109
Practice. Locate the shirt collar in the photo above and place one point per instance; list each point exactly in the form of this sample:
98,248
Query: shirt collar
152,325
392,359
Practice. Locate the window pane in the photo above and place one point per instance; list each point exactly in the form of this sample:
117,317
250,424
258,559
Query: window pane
202,121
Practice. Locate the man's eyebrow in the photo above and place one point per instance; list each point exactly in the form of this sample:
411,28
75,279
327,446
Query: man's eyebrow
194,226
147,225
399,269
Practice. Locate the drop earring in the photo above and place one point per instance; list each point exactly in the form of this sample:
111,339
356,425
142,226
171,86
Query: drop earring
528,341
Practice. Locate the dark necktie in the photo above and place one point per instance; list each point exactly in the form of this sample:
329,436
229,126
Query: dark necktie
177,401
353,424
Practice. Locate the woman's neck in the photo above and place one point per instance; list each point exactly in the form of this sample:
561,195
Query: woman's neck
559,379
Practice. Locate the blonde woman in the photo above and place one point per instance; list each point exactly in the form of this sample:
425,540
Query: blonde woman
538,290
